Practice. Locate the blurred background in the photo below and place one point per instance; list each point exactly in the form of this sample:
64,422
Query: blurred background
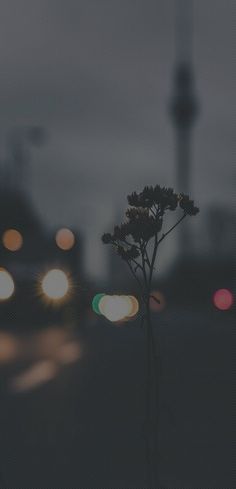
98,99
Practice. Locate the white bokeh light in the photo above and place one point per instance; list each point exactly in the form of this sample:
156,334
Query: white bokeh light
55,284
7,286
116,308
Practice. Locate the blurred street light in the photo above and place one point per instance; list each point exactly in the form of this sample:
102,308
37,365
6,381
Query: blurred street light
7,286
157,301
96,301
65,239
12,240
116,308
135,307
223,299
55,285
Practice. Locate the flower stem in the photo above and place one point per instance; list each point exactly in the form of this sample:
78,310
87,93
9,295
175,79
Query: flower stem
152,403
149,454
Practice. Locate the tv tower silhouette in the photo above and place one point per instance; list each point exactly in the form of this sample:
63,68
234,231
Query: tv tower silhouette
184,106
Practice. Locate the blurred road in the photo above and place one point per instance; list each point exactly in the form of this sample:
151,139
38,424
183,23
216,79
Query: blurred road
72,412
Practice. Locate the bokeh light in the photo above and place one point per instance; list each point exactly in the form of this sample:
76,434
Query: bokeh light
34,376
65,239
102,304
12,240
96,301
156,306
69,353
7,286
49,341
55,285
223,299
9,348
135,307
115,308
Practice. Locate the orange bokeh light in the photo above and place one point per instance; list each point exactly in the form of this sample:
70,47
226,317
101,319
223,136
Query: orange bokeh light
12,240
65,239
157,306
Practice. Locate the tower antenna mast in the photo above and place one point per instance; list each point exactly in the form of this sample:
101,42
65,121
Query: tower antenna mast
184,104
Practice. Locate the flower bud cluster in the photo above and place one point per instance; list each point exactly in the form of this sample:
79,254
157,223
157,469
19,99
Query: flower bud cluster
145,219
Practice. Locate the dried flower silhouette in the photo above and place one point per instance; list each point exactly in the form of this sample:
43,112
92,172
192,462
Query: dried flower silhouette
137,241
138,238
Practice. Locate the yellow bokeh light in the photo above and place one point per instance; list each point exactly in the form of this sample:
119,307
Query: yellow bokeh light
116,308
102,303
128,305
12,240
7,286
65,239
55,285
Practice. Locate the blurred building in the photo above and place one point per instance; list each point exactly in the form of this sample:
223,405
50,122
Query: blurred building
119,273
28,250
220,231
205,258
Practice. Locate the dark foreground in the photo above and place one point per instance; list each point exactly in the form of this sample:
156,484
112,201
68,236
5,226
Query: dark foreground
72,412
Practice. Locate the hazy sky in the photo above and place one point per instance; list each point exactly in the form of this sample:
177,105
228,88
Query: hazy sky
98,75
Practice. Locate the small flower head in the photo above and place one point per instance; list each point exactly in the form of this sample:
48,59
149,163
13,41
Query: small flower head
187,205
128,253
135,200
133,252
134,215
147,196
107,238
120,232
165,198
161,197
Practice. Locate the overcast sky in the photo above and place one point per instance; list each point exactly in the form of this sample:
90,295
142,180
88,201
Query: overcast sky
98,75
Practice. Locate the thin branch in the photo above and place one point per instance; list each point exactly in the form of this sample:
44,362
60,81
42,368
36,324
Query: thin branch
153,260
146,255
127,242
136,263
171,229
153,212
154,298
120,243
144,268
136,277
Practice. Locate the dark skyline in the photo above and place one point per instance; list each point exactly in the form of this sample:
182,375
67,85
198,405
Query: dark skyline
98,76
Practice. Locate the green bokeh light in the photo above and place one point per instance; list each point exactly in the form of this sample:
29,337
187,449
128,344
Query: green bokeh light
95,303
